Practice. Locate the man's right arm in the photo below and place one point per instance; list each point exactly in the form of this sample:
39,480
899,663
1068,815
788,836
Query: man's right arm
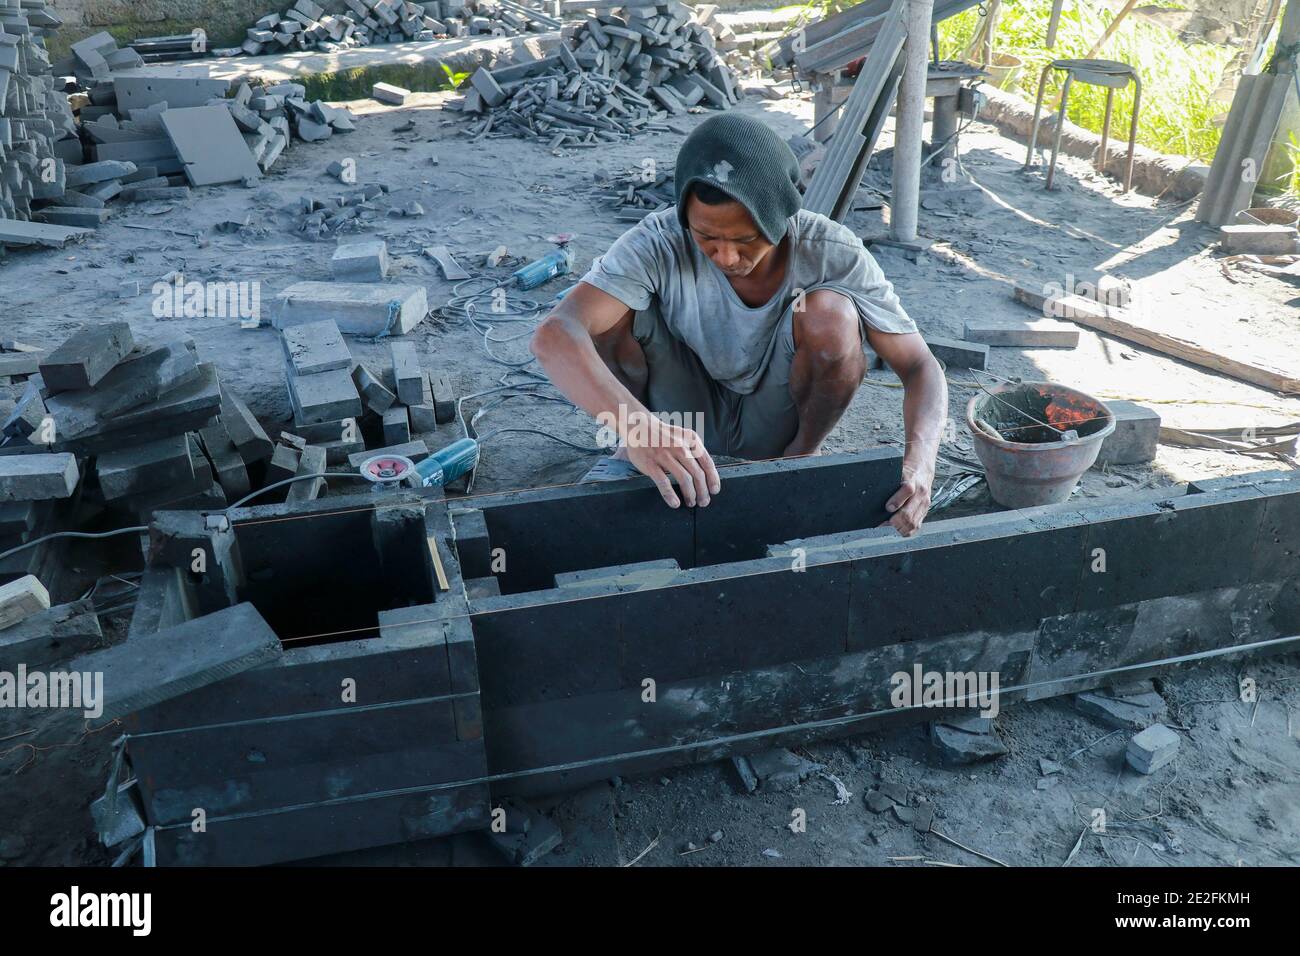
564,347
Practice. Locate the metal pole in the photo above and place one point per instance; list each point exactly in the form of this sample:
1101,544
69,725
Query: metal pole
909,126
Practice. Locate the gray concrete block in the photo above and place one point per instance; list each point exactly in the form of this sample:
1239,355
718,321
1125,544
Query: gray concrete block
87,356
311,461
146,467
966,745
180,410
955,353
323,396
444,399
1135,438
228,468
1151,749
283,464
1259,240
20,599
1026,333
209,144
361,261
388,93
29,412
151,668
39,477
147,375
141,92
243,428
50,635
374,394
408,377
315,347
91,173
84,216
358,308
396,426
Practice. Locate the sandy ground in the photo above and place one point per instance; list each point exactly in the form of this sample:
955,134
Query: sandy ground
1229,798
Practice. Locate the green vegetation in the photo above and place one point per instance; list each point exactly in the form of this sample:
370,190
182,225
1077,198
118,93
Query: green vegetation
1178,79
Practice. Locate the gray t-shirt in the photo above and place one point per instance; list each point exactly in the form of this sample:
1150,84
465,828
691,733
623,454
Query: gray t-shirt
656,262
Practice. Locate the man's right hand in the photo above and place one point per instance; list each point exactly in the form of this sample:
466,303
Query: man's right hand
664,452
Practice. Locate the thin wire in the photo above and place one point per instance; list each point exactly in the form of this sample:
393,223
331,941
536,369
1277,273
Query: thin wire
73,534
743,737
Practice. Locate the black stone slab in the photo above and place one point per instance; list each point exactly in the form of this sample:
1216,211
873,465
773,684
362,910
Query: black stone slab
325,828
85,358
154,667
1150,549
260,765
768,502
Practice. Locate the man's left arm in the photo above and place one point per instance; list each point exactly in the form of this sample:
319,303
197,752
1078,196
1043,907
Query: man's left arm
925,407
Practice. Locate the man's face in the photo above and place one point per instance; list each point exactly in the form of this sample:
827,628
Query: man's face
728,236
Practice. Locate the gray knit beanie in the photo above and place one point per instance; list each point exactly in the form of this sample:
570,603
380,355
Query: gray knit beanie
748,162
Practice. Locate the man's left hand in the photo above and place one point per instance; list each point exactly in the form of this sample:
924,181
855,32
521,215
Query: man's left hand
910,503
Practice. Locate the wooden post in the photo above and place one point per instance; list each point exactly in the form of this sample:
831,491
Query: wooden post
909,125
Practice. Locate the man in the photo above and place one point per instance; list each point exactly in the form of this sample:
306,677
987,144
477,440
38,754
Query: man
744,312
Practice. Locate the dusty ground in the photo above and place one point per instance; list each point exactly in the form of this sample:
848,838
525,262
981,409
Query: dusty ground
1228,799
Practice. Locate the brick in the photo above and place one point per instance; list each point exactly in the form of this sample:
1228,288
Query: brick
146,375
487,87
315,347
151,668
473,548
955,353
374,395
359,308
407,374
37,477
310,462
29,412
1026,333
388,93
146,467
1259,239
244,430
1152,748
19,363
85,358
444,399
191,406
99,172
75,216
1135,438
396,426
283,464
364,261
21,599
323,396
50,635
228,468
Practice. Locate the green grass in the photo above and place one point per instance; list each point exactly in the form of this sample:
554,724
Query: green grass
1177,78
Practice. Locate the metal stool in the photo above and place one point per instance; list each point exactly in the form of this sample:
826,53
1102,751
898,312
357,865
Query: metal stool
1108,73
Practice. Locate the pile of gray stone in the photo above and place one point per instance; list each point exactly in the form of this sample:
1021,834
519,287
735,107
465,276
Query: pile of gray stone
307,26
147,425
617,73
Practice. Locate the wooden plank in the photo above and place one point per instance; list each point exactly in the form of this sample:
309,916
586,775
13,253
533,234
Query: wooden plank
21,599
1119,323
831,178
